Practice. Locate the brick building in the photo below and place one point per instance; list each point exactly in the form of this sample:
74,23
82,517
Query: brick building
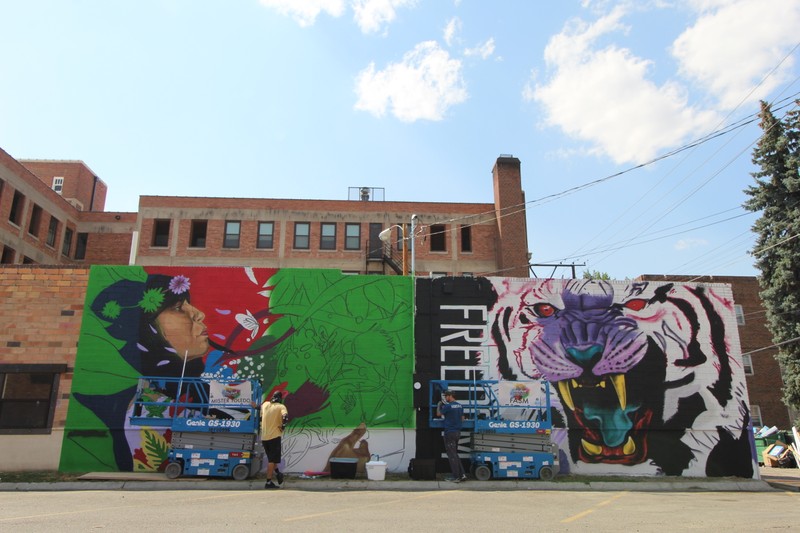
51,212
762,371
41,308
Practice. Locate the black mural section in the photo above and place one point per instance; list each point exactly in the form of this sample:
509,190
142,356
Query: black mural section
433,296
465,328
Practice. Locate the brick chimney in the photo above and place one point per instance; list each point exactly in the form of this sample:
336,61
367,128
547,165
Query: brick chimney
509,206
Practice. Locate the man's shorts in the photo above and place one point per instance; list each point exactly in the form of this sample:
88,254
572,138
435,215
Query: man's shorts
272,448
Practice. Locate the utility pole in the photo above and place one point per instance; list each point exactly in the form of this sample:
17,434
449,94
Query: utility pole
554,266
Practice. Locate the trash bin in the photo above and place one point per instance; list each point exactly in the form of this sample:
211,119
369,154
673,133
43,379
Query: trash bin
343,468
376,470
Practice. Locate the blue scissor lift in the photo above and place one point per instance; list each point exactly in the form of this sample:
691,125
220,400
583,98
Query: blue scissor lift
508,438
209,438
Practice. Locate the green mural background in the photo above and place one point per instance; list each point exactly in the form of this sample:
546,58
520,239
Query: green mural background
340,346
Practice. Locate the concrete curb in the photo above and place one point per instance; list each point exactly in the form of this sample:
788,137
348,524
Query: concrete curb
690,485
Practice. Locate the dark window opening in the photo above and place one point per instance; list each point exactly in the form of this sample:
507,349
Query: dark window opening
17,203
161,233
52,231
197,237
466,238
80,245
302,231
27,397
67,247
438,238
36,220
327,238
232,232
265,235
8,256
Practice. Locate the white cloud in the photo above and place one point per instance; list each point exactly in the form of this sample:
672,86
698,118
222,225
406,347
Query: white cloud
423,86
372,15
483,50
451,30
603,95
305,12
734,44
686,244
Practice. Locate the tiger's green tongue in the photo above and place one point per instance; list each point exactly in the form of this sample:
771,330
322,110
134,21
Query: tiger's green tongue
614,423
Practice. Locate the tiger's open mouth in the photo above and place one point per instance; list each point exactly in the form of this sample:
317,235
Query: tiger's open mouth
612,428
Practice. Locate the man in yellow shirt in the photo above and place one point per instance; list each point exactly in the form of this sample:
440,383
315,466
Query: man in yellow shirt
274,417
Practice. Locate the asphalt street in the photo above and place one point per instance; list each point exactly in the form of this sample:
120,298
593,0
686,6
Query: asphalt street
369,510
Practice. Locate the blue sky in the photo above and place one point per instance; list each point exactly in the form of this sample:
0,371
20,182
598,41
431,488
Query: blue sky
306,98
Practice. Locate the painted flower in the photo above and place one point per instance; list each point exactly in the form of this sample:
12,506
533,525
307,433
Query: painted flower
152,300
179,284
111,310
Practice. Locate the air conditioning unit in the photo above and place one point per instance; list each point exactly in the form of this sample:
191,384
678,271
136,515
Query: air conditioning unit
77,204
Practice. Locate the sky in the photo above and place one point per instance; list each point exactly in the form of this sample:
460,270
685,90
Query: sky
634,121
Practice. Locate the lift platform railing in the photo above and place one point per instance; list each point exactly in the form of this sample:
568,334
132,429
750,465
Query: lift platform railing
492,406
197,404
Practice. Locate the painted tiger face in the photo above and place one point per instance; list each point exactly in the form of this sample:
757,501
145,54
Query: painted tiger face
626,363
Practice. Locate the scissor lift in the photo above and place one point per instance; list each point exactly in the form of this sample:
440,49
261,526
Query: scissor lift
509,436
214,425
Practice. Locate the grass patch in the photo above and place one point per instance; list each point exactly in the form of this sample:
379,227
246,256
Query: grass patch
39,476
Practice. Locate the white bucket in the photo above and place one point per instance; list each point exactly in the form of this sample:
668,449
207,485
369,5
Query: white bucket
376,470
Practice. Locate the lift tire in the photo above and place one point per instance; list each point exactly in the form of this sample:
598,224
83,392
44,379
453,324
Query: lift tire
173,470
482,473
240,472
546,473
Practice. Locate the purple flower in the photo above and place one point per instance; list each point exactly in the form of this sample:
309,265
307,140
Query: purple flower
179,284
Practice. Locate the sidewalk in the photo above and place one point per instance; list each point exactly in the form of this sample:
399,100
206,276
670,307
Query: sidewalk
772,479
782,478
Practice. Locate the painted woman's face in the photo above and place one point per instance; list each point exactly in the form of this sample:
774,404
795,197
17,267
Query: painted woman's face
182,326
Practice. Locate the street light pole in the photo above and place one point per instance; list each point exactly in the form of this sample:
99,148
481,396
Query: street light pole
413,234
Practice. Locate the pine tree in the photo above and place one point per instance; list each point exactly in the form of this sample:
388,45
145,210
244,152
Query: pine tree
776,195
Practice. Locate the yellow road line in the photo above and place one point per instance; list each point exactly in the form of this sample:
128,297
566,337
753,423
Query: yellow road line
593,509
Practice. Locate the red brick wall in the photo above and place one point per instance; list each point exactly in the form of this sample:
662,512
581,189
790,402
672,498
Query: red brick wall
79,181
511,221
40,317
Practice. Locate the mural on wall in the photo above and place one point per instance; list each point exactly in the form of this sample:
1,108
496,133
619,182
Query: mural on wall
647,376
338,347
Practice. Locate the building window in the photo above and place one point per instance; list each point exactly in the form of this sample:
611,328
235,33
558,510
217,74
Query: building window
58,184
438,238
197,236
233,229
302,232
161,233
28,397
747,364
466,238
17,203
27,260
266,234
327,236
36,220
67,247
80,245
755,416
739,314
8,256
52,231
352,236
